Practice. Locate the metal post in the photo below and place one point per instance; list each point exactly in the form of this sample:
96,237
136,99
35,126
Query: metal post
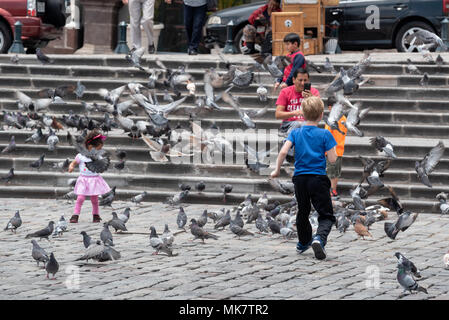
229,46
17,45
122,46
445,31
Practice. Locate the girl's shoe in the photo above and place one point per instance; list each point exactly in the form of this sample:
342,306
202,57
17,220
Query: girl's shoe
74,219
96,218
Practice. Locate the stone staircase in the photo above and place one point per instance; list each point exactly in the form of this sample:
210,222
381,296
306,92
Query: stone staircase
413,118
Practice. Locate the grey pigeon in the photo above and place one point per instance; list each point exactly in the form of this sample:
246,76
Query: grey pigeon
284,187
238,219
329,67
409,266
124,216
167,236
202,220
223,221
424,81
35,137
52,266
353,119
412,68
9,176
407,282
38,163
184,186
116,223
199,233
61,227
444,206
99,252
79,90
11,146
273,225
108,198
342,223
43,233
382,144
42,57
106,235
262,224
112,96
139,198
288,233
87,240
157,243
439,60
177,198
253,213
14,222
239,231
424,167
181,219
39,254
334,116
15,59
134,56
200,186
404,221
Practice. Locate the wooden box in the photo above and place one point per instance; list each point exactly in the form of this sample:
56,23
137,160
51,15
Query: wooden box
284,23
330,3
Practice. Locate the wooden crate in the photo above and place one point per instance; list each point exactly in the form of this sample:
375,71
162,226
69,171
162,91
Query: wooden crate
330,3
307,47
283,23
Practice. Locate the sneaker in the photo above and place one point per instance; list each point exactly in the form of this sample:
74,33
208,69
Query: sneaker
193,52
334,195
74,219
151,49
301,248
318,248
96,218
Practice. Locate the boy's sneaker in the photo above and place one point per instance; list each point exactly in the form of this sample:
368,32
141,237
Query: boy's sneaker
334,195
301,248
74,219
96,218
318,248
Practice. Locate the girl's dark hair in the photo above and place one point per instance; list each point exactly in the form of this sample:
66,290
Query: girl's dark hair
292,38
93,142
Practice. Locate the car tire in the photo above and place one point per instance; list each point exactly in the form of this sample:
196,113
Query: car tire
238,41
5,38
407,29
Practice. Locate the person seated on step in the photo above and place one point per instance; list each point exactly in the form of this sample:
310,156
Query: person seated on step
259,25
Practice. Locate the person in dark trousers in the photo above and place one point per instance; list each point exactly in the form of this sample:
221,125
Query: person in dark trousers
194,19
292,43
310,179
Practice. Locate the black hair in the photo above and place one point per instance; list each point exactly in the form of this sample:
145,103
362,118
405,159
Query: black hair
300,70
292,37
331,100
278,1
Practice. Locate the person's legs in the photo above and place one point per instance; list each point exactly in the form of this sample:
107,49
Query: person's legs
135,9
188,22
79,203
319,193
95,207
148,20
302,216
199,18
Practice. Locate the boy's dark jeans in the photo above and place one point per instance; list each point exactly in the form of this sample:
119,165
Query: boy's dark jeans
315,188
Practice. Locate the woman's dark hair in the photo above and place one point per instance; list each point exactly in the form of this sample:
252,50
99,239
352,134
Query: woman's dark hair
90,139
292,37
300,70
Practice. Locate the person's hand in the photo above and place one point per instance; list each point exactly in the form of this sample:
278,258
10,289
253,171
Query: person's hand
168,1
276,85
125,1
275,173
298,112
306,94
284,85
71,167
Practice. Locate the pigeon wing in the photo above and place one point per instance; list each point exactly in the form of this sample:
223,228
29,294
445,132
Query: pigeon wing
433,157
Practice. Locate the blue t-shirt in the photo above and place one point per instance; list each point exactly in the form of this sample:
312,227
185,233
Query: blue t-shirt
310,144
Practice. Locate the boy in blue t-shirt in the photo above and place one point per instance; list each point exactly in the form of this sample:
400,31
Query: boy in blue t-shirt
310,179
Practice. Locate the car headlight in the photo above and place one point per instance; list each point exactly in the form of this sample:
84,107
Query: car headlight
214,20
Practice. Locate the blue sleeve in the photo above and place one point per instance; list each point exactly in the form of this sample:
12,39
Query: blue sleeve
329,141
297,64
291,137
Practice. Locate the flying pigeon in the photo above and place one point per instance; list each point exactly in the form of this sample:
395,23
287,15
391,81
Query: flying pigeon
404,221
382,144
428,163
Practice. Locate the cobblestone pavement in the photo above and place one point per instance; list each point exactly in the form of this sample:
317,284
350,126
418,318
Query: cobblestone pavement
254,267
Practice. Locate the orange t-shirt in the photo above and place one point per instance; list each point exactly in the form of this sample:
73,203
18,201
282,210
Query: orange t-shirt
339,138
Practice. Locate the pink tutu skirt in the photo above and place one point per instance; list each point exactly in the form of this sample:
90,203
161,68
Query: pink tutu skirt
91,186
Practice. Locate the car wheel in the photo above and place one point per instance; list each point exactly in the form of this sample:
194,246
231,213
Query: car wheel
5,38
239,42
406,30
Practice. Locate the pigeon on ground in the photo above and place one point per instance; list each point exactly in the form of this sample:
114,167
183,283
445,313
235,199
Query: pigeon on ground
116,223
412,69
409,266
15,59
61,227
52,140
273,225
227,188
35,137
43,233
79,90
406,280
329,67
52,266
139,198
11,146
120,165
444,205
382,144
223,221
106,235
200,186
157,243
284,187
181,219
184,186
239,231
9,176
404,221
428,163
42,57
177,198
202,220
167,236
342,223
99,252
424,81
87,240
124,216
14,223
199,233
238,219
361,229
262,224
39,254
263,201
108,198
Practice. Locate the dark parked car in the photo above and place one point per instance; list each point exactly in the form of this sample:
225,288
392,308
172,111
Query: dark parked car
359,27
42,20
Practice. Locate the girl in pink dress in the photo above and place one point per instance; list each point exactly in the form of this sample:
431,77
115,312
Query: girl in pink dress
88,183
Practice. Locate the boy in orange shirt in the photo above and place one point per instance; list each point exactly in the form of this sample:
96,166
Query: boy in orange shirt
333,170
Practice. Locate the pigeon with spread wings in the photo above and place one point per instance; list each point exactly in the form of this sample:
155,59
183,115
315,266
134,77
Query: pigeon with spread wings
99,158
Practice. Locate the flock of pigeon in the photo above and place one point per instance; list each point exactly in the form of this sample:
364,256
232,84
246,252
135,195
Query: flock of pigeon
164,142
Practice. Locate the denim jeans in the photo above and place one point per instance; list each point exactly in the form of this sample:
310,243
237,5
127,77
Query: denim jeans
194,19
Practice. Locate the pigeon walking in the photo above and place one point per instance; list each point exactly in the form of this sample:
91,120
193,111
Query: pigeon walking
407,282
61,227
181,219
116,223
14,222
199,233
9,176
38,163
158,244
42,57
52,266
43,233
224,221
106,235
239,231
408,265
444,205
87,240
11,146
39,254
124,216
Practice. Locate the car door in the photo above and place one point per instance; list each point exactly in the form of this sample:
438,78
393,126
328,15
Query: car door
370,23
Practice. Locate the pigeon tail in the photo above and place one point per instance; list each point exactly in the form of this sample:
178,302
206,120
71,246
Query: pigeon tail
391,230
